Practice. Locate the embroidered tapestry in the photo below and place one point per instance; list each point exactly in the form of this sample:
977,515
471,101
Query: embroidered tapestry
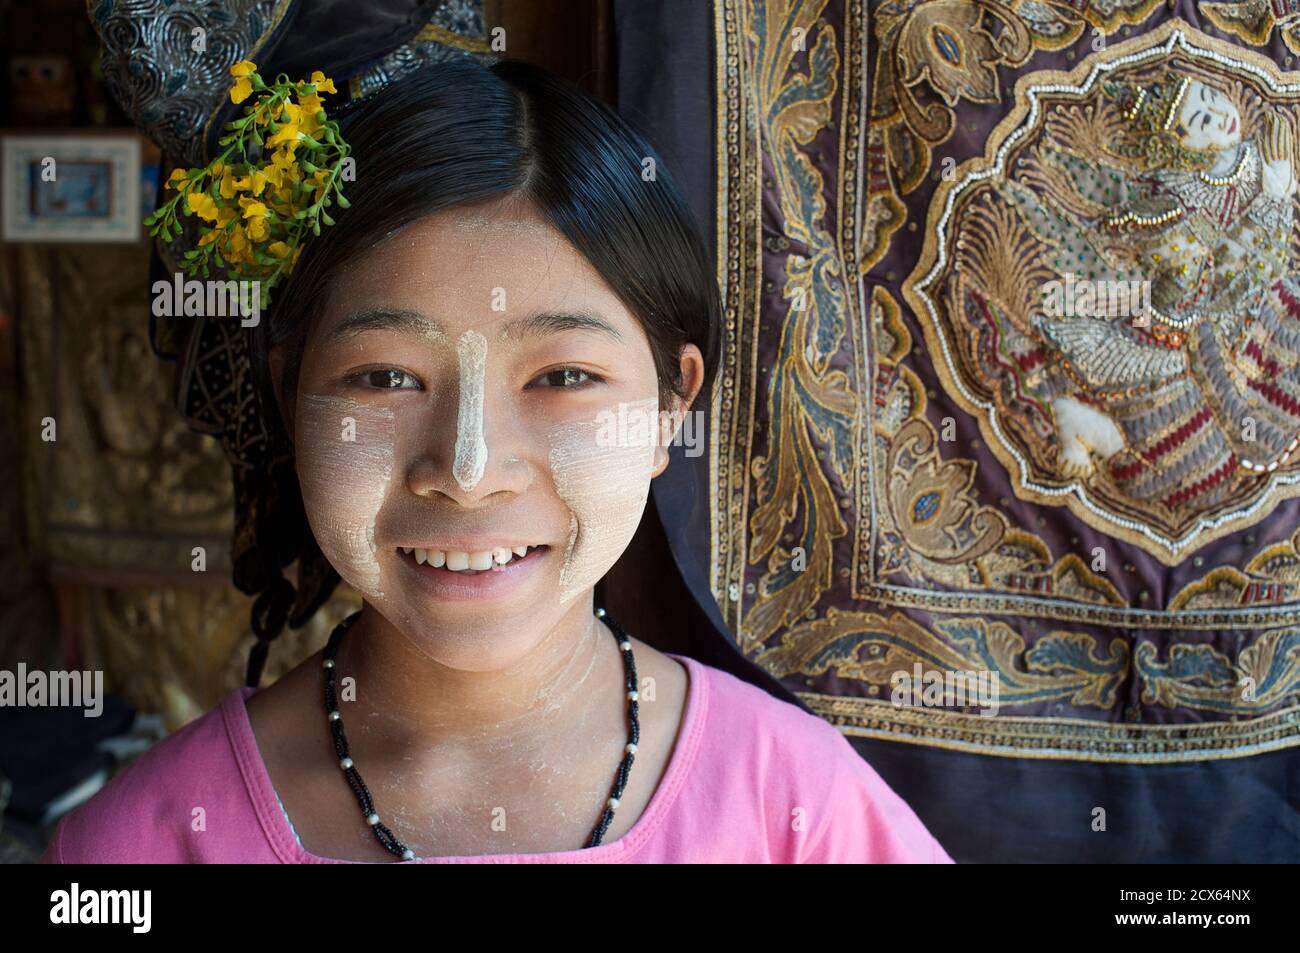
1012,394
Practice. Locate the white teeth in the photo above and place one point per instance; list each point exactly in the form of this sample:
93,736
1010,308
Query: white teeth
460,561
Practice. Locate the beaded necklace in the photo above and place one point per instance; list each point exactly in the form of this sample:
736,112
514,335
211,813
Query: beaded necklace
386,838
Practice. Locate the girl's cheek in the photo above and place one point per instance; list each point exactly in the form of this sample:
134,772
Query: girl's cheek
345,452
602,471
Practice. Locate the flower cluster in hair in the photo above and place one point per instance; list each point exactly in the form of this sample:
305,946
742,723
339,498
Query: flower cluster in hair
281,168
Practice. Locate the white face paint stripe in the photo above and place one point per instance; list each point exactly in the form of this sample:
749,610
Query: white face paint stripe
471,448
345,461
604,478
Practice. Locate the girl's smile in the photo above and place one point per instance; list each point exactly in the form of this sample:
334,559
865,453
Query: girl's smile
441,573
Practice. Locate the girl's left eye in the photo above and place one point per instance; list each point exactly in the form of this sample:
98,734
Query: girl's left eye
387,378
566,378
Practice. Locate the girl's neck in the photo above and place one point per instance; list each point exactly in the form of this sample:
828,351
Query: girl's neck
412,702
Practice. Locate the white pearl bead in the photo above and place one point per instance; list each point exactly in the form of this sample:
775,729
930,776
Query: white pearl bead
329,663
372,820
600,613
631,748
345,763
613,803
335,716
625,645
633,696
408,854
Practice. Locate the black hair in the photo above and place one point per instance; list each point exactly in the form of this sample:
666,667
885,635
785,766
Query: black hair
458,133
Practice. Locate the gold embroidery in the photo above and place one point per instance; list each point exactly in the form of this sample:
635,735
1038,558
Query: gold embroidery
1254,20
870,648
782,420
948,47
1169,425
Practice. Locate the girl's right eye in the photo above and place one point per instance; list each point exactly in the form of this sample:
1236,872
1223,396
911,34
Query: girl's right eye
387,378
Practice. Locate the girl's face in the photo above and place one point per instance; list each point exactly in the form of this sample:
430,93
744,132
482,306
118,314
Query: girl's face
471,388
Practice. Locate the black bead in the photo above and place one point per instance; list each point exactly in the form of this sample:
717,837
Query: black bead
386,838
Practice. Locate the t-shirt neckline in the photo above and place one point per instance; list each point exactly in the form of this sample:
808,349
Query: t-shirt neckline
279,833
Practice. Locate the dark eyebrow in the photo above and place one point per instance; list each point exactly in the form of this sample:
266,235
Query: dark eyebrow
554,323
413,322
385,319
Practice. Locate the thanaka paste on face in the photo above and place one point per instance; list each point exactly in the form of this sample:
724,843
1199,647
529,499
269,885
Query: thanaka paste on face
605,488
601,490
471,449
345,454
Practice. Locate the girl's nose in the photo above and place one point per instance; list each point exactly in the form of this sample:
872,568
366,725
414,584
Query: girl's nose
479,455
471,448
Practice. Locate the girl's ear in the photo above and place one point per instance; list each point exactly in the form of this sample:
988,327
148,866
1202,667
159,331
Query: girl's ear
277,358
692,370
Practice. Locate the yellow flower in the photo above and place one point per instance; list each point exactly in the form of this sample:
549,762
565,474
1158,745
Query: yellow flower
287,131
257,229
209,236
243,87
252,208
322,84
229,184
238,248
178,179
232,184
202,205
318,179
282,161
278,249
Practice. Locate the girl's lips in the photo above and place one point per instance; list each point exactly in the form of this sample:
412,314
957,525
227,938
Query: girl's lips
464,585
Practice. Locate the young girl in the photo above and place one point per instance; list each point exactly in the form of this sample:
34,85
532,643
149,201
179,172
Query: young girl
470,366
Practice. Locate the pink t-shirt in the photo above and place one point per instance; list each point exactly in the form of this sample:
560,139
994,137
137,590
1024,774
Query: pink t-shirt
752,779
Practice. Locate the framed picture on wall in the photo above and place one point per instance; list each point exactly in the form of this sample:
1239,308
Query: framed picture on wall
70,188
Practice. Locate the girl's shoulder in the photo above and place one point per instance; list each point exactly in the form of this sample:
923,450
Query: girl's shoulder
747,715
158,808
819,799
